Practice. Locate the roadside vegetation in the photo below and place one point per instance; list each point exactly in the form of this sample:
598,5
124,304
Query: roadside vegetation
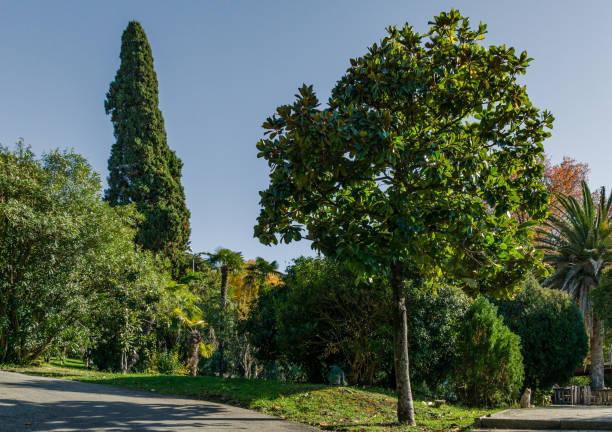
325,407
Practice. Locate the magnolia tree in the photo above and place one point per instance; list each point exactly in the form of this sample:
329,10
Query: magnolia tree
427,146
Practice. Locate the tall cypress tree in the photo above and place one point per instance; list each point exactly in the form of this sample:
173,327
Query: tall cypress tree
142,168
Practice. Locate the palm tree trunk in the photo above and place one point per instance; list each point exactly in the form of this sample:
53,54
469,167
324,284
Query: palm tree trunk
224,271
405,408
194,351
597,357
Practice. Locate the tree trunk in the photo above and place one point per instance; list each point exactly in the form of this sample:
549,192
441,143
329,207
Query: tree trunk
194,351
405,408
224,271
123,361
597,357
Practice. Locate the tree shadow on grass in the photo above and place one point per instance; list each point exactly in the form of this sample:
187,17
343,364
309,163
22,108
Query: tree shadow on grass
235,390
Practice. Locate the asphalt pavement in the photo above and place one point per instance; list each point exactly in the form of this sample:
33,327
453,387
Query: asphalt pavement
31,403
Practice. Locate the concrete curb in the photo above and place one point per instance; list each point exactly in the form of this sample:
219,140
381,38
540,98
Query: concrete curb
508,420
531,424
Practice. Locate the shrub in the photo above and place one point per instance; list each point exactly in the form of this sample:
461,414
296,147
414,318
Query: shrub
433,317
580,381
167,363
554,342
321,317
488,369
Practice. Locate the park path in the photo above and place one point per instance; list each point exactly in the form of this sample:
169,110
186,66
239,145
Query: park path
29,403
547,419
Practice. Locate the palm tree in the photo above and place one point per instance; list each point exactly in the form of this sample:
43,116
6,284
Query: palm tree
227,261
260,270
190,315
193,320
577,241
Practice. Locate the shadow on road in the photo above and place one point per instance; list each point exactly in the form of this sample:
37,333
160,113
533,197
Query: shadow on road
119,416
39,404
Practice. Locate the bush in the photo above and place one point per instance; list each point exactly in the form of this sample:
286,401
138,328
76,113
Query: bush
321,317
166,363
580,381
489,366
433,317
554,342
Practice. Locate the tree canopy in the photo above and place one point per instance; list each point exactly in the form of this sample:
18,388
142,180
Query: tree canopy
142,168
427,143
67,254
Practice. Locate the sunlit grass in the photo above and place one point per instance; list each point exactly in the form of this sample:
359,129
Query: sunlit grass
325,407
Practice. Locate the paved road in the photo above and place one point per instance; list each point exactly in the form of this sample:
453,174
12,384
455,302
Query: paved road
29,403
568,417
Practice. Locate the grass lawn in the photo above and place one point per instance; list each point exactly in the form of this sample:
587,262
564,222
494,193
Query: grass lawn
325,407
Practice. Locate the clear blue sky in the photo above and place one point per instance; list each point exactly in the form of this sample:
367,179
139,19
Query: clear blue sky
224,66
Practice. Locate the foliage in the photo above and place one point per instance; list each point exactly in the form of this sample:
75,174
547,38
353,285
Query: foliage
553,338
601,297
427,146
68,256
142,168
320,317
436,311
328,319
489,366
401,163
580,381
228,262
262,325
256,275
167,363
577,242
190,315
565,178
125,311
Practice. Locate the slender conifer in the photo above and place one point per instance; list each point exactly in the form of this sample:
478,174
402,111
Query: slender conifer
142,168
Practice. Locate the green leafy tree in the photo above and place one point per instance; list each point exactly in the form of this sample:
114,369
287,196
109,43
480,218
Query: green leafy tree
550,327
489,366
577,241
128,286
64,252
426,148
142,168
227,262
